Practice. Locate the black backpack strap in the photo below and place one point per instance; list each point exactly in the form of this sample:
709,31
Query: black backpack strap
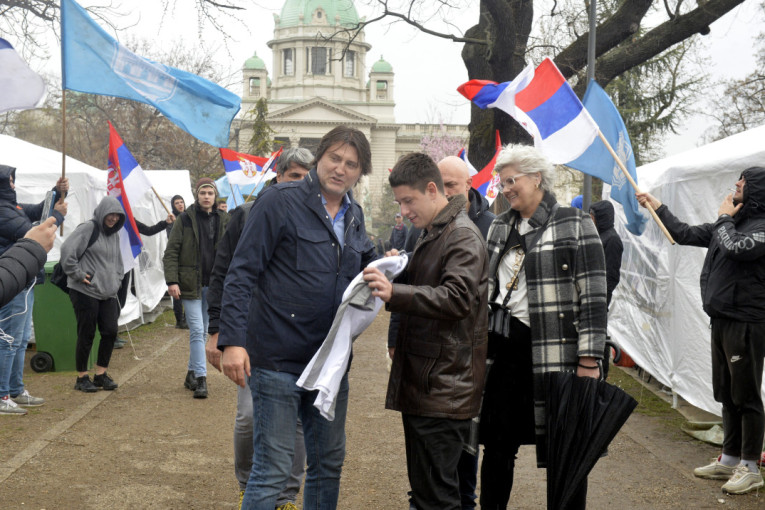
93,235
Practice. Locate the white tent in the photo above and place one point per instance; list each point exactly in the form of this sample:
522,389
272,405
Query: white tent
656,313
37,170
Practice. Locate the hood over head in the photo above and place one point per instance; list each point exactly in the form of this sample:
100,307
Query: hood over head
109,205
603,212
176,212
754,193
6,193
478,203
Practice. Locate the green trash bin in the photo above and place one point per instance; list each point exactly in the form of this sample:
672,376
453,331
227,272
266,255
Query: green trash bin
56,329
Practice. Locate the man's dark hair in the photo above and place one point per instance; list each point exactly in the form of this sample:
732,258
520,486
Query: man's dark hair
352,137
416,170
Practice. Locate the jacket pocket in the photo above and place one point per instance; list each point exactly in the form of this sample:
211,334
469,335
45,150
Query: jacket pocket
421,358
187,279
315,251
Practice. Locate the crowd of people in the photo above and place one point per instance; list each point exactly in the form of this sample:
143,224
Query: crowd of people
486,306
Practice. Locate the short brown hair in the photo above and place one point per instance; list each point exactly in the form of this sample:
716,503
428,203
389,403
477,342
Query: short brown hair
350,136
416,170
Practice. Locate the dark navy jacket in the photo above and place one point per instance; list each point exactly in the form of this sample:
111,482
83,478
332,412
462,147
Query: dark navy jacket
290,260
613,248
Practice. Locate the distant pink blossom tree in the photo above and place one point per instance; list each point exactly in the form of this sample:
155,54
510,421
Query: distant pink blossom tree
440,144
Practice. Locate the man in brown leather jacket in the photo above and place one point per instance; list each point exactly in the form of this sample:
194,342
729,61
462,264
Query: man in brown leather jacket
438,367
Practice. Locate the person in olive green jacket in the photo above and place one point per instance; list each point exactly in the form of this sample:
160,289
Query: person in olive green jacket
188,262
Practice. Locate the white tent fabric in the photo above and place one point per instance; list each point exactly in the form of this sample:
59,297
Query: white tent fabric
656,313
37,170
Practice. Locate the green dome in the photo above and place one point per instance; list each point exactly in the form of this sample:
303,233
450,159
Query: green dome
292,10
254,62
381,66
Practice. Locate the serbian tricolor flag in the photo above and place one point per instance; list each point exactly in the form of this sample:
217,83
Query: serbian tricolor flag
462,154
543,102
247,169
125,180
485,181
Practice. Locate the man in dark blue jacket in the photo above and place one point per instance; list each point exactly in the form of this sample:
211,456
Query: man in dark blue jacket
302,244
733,295
16,317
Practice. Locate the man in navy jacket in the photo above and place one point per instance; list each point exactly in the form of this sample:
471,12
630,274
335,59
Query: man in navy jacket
302,244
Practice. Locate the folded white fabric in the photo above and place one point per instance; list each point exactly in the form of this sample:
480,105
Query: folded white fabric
357,311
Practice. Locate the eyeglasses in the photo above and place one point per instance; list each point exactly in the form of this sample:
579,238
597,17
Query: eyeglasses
510,181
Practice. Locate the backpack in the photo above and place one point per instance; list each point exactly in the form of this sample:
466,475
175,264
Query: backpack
58,277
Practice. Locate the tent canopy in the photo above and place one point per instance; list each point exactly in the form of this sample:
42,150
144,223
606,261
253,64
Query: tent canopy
37,170
656,313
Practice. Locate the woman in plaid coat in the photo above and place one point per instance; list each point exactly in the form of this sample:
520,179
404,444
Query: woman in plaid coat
547,292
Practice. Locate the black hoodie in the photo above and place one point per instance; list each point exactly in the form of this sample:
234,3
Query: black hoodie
603,213
733,275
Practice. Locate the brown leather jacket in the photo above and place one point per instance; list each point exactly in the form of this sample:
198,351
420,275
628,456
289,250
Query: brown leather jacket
440,358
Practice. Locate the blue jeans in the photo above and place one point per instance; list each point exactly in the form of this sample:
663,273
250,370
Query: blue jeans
17,324
277,404
197,319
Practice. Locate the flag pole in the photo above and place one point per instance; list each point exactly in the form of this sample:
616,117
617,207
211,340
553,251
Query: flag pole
593,15
63,148
233,196
161,201
635,186
262,176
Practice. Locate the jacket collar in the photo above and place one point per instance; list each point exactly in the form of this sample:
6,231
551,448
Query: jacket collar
453,207
538,218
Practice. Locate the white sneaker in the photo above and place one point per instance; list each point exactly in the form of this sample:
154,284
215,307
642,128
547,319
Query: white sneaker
743,480
715,471
8,406
24,399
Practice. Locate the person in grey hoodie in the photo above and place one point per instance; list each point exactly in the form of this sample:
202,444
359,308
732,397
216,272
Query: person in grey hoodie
94,277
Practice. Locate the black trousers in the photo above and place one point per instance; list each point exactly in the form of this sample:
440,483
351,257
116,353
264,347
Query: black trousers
178,310
433,450
91,312
738,349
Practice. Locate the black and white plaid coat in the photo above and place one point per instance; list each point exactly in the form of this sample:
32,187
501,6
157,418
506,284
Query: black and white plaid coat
566,280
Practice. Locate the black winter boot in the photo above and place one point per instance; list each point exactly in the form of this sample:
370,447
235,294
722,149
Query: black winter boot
191,381
201,391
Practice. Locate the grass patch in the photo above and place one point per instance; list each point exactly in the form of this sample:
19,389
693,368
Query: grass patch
162,321
648,403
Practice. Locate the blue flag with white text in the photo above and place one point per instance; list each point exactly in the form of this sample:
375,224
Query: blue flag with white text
598,162
93,62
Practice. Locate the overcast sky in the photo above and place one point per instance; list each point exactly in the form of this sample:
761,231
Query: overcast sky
427,69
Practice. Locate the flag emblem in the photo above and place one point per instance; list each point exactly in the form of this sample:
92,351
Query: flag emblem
147,78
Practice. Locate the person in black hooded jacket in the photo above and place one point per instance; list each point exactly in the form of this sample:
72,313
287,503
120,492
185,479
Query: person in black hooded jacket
602,213
733,295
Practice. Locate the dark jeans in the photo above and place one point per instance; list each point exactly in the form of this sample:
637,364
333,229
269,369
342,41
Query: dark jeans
91,312
738,349
433,449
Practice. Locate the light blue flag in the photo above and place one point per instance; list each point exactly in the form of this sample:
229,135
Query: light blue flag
235,199
598,162
93,62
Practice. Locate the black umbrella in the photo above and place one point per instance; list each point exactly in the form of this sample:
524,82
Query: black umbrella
583,417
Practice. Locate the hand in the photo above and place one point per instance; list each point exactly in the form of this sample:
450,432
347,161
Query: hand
44,233
379,284
391,253
212,352
236,364
728,208
62,185
174,290
646,198
588,372
170,219
391,352
61,207
87,278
